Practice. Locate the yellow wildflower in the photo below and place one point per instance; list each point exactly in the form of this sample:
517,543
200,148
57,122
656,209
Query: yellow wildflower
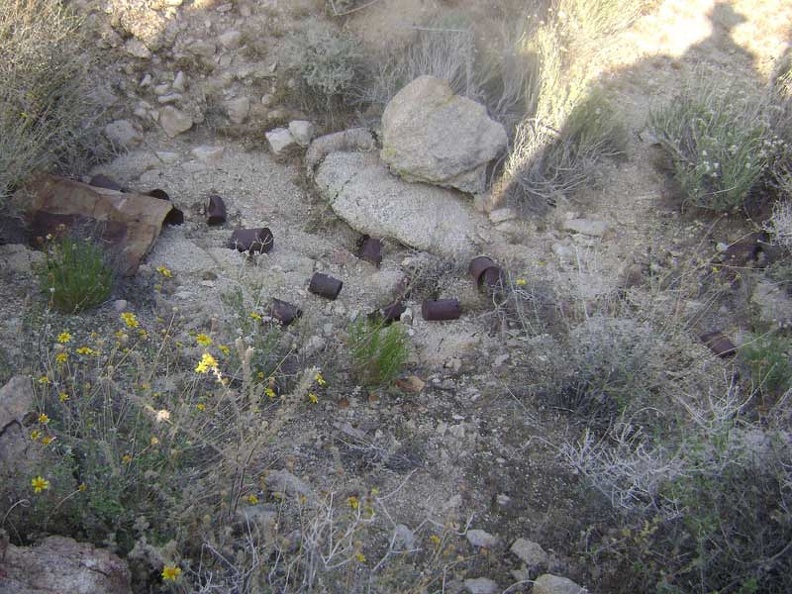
43,418
126,459
82,487
39,484
164,271
361,558
319,379
223,348
520,282
353,502
130,319
435,540
203,340
64,337
171,573
47,439
270,393
313,398
154,441
200,406
61,358
208,362
255,316
35,434
63,396
44,380
252,499
85,350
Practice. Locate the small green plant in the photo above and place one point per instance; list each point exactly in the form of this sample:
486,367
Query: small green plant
75,275
719,144
379,352
767,358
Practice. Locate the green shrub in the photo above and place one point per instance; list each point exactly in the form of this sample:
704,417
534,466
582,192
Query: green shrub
767,358
719,144
379,352
76,275
46,114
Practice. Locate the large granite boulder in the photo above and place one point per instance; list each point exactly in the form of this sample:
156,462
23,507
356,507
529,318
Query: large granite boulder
431,135
362,192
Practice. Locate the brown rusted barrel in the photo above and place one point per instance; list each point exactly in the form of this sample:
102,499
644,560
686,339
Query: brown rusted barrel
325,285
215,211
174,216
252,240
478,266
492,279
370,250
392,312
441,309
719,343
284,312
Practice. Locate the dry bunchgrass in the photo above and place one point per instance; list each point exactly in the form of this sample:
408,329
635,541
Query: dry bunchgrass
47,118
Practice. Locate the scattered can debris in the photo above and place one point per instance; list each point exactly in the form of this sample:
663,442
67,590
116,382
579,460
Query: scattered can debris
370,250
215,210
719,343
441,309
325,285
283,311
252,240
478,266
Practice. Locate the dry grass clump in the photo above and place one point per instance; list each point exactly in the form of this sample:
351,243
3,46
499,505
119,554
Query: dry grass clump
47,118
570,126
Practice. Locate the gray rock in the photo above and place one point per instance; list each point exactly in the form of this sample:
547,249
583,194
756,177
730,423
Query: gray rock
169,98
135,47
530,553
501,215
230,39
773,304
283,481
280,140
180,82
586,227
480,538
18,258
174,121
122,134
238,109
352,140
302,131
481,586
207,49
61,564
431,135
403,538
362,192
211,155
553,584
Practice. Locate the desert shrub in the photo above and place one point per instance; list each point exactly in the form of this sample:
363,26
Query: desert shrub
608,372
780,224
46,114
379,351
720,145
704,508
545,163
570,125
75,274
328,62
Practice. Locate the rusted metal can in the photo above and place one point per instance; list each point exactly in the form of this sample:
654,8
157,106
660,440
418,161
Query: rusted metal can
252,240
492,279
174,216
478,266
283,311
215,211
325,285
719,343
392,312
370,250
434,310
